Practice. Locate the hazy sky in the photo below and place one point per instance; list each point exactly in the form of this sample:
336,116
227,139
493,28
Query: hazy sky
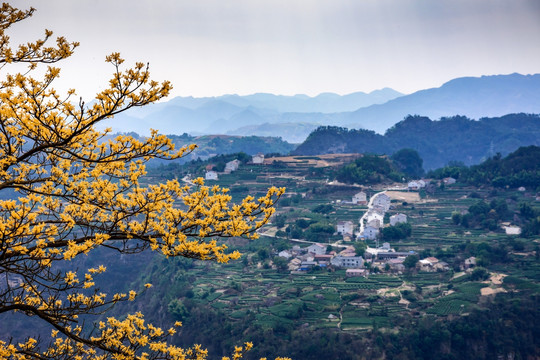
215,47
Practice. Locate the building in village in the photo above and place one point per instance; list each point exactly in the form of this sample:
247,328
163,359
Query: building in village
307,265
360,198
345,228
396,264
232,166
294,264
449,181
258,159
375,216
386,255
398,218
375,223
348,261
383,201
433,264
211,175
316,249
416,185
370,232
285,254
355,272
323,258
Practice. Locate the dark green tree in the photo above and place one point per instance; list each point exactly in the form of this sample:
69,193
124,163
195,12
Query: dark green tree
409,162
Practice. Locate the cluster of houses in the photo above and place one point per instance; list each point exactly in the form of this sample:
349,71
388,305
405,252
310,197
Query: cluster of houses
416,185
230,167
373,220
305,259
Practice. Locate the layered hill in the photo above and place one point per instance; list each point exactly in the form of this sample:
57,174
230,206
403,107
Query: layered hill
242,115
455,138
294,117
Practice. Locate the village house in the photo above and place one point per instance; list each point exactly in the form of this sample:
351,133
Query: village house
382,200
360,198
285,254
416,184
307,265
316,249
396,264
375,215
449,181
370,232
431,264
345,227
375,223
348,251
211,175
232,166
355,272
296,250
398,218
348,261
413,185
387,255
469,263
294,264
257,159
512,230
323,258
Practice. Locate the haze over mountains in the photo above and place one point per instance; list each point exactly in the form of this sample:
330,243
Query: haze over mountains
295,117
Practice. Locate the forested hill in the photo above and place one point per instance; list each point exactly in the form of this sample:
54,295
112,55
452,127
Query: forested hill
212,145
438,142
520,168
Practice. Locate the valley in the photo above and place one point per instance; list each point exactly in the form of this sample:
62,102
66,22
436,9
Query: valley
461,272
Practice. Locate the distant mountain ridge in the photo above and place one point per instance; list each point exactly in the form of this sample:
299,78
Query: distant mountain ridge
474,97
228,113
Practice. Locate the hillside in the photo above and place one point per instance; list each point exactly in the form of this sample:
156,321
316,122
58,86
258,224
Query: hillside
438,142
477,313
519,169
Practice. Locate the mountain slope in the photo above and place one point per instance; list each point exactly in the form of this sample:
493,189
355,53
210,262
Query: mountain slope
437,142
